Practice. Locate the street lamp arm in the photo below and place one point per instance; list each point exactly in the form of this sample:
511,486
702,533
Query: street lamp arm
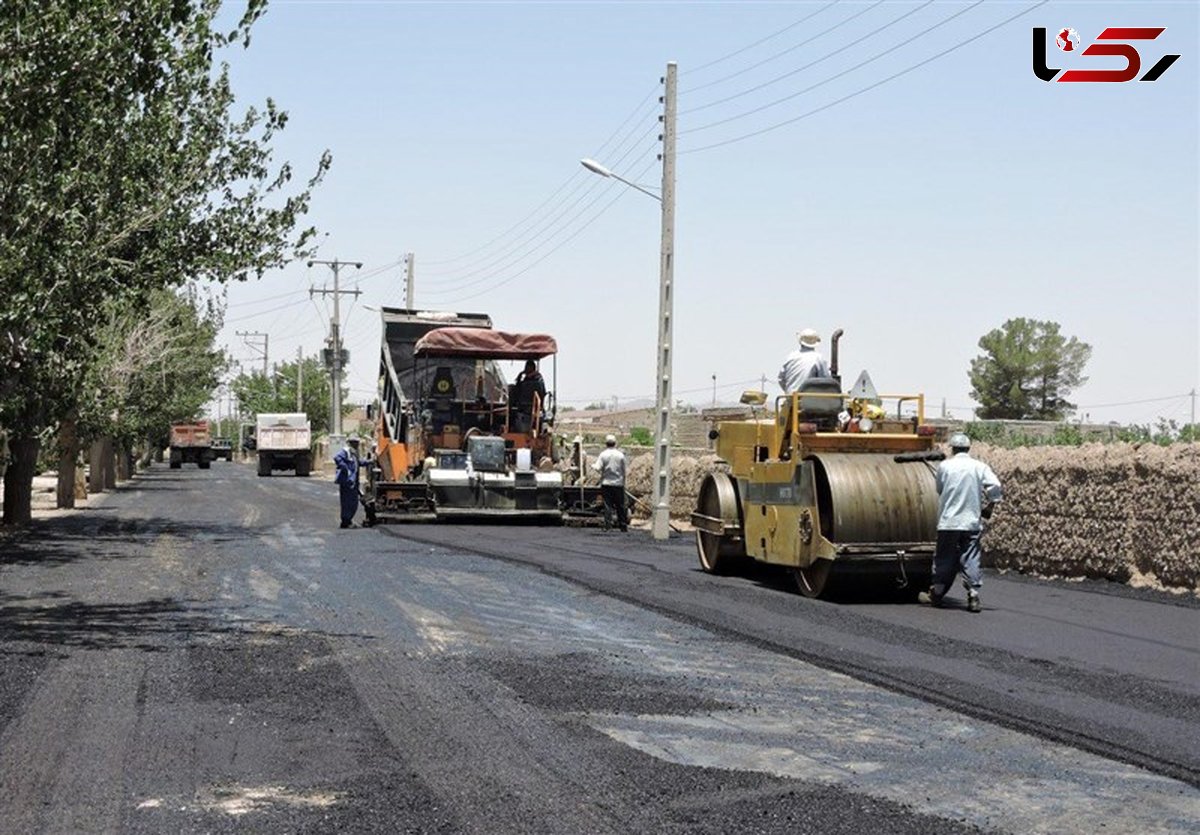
597,168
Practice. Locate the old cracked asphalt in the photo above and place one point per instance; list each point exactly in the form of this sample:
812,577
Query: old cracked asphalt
206,652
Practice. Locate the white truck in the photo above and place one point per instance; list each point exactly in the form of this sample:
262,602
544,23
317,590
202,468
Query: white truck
284,442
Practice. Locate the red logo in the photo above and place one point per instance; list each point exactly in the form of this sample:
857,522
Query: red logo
1109,42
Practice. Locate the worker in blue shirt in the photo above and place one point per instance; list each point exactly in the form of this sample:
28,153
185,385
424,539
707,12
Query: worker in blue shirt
346,478
968,490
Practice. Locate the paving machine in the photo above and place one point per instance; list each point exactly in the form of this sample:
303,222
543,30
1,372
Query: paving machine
453,439
835,486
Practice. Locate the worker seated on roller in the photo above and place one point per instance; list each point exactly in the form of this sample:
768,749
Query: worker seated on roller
528,391
803,363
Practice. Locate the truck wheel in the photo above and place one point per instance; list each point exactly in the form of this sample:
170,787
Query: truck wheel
264,464
175,465
303,466
203,463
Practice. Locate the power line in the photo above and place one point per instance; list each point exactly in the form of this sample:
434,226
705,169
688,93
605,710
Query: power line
860,65
869,87
777,55
751,46
577,175
555,227
545,228
620,193
812,64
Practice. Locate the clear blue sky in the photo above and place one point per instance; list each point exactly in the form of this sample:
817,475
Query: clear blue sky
916,215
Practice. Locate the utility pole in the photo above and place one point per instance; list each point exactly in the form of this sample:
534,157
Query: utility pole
714,390
299,379
1193,396
335,338
256,336
408,281
661,498
764,383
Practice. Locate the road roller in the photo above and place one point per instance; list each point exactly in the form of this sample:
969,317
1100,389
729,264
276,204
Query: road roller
838,487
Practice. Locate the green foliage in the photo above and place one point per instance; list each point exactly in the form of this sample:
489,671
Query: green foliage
1027,371
155,363
261,393
640,436
123,170
1164,433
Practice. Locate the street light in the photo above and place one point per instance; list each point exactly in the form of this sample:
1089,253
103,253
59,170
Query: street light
661,515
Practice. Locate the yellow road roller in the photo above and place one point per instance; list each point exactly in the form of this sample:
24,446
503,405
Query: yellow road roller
836,486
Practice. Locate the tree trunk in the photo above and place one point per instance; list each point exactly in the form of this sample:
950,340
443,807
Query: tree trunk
68,449
96,462
110,465
18,480
124,460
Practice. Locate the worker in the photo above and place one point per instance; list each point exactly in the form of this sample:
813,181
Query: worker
803,363
529,382
968,492
611,464
346,478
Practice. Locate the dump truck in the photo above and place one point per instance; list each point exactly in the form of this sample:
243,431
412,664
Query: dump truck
834,486
284,442
453,438
191,443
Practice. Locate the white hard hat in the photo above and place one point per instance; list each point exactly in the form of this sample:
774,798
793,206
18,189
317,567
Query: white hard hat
808,336
959,440
610,440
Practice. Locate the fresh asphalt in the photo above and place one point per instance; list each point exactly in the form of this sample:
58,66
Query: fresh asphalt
205,651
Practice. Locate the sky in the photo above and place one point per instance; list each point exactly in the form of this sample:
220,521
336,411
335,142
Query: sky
894,169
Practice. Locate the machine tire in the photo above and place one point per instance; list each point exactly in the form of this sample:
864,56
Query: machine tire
719,553
264,464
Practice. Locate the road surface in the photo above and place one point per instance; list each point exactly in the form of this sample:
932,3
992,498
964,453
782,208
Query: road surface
204,651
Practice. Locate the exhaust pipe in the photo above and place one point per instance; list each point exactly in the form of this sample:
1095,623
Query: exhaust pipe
833,353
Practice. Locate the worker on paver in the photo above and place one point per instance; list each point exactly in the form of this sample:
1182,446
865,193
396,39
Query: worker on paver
611,464
968,491
803,363
347,463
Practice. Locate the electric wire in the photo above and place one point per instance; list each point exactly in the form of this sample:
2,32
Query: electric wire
620,193
777,55
601,187
869,87
822,83
811,64
758,42
545,226
528,246
635,114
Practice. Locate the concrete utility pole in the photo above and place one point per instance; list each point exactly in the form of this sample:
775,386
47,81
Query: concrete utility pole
1193,396
661,499
335,338
256,336
408,281
299,379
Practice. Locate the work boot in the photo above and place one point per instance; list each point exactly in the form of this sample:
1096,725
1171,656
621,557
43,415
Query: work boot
973,604
929,598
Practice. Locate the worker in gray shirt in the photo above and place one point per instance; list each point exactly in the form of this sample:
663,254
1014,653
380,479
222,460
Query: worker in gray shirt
803,363
968,491
611,464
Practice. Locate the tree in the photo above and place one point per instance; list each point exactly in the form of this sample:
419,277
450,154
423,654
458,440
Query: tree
259,393
1027,371
123,170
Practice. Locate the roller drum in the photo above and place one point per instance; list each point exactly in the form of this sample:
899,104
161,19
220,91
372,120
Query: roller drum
870,498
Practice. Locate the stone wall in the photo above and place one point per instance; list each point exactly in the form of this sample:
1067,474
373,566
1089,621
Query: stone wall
1123,512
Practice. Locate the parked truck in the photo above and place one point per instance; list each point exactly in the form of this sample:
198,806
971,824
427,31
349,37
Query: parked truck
191,443
284,442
